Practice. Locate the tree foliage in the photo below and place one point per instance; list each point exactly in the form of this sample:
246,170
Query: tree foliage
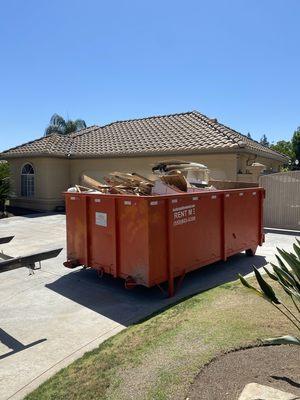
264,140
4,170
296,143
59,125
284,147
291,148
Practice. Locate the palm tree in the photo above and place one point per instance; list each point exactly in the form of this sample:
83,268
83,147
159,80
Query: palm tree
59,125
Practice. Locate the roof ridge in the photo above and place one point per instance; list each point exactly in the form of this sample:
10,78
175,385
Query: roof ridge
211,123
54,142
214,124
251,139
145,118
80,131
89,131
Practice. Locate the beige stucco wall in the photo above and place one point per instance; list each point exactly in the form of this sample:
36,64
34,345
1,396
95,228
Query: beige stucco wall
55,175
52,177
222,166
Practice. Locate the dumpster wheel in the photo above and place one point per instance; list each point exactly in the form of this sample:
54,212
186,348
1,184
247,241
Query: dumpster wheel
251,252
71,263
130,283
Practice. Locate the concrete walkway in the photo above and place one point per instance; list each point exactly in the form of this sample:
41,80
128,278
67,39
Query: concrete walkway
49,319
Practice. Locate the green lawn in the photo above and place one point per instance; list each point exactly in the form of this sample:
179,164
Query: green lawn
159,358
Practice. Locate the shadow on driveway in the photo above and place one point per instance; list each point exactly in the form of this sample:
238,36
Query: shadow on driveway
108,297
9,341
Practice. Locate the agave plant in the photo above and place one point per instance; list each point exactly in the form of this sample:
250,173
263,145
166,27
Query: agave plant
287,275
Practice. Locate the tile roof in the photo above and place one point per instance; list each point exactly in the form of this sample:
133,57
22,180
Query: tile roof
190,132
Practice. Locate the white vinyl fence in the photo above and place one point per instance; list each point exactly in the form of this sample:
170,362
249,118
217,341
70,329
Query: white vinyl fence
282,202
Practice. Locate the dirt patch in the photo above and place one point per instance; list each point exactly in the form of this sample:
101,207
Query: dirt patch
226,376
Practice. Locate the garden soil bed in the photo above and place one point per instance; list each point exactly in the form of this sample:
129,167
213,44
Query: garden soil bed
226,376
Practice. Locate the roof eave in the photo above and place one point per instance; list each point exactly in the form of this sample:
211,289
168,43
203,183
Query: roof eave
4,156
274,156
220,150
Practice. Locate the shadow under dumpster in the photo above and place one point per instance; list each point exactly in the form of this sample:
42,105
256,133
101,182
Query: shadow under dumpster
108,296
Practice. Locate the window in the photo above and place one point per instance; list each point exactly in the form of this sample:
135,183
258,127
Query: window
27,181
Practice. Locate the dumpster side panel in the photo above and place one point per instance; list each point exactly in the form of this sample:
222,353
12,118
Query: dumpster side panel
195,231
157,241
242,216
133,239
76,227
102,233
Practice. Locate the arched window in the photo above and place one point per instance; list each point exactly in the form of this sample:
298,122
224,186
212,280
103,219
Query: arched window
27,181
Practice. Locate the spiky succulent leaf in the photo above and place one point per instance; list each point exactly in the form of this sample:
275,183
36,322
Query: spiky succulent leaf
284,340
248,286
286,280
293,292
292,262
281,263
272,276
265,287
286,277
297,250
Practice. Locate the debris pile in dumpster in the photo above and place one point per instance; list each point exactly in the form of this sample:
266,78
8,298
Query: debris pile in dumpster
173,176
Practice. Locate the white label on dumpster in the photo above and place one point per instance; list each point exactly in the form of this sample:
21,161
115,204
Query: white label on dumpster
101,219
184,215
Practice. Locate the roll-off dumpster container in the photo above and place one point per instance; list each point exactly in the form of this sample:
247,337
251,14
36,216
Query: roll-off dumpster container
148,240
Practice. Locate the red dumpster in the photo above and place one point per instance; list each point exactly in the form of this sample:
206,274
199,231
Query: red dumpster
148,240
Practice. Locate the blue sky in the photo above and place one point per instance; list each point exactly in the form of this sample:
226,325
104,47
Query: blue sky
234,60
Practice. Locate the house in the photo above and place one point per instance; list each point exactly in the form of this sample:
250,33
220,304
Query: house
42,169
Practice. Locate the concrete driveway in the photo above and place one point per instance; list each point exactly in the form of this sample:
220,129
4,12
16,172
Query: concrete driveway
49,319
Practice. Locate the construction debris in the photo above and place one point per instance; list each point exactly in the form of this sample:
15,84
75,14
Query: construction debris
91,183
171,177
171,165
195,173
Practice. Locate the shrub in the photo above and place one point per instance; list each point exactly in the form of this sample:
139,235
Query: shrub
4,185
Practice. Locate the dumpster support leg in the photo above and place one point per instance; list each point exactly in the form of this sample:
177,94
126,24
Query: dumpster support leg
182,276
171,287
161,289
